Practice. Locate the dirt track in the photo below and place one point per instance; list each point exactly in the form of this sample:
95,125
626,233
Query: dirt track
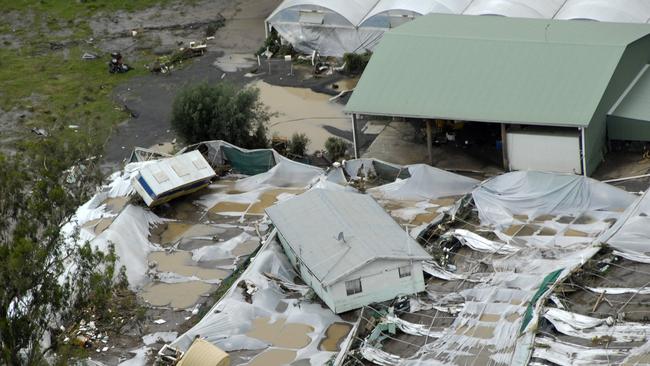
150,97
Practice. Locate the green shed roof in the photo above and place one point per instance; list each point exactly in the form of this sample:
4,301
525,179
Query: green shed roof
636,103
493,69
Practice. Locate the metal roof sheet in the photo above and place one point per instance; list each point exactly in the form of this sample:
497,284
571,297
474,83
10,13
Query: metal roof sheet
311,224
635,104
493,69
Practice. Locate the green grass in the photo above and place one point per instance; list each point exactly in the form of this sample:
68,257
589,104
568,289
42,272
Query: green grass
69,10
73,91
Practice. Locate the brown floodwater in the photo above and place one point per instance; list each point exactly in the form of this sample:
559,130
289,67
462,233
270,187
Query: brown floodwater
273,357
301,109
97,226
246,248
280,333
334,335
181,262
116,204
266,199
180,295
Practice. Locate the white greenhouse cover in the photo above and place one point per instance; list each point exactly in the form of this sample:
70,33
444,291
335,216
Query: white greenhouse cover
544,9
352,10
536,193
358,25
421,7
629,236
426,182
623,11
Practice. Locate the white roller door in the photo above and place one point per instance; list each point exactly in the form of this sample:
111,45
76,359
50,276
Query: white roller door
550,151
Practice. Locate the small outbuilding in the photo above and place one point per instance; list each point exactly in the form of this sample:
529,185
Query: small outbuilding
347,248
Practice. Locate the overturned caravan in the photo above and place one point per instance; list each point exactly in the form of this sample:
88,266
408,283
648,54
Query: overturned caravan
163,180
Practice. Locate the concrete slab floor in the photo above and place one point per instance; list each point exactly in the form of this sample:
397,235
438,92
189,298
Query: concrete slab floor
398,143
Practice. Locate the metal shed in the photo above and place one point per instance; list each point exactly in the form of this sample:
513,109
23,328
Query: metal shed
508,71
347,248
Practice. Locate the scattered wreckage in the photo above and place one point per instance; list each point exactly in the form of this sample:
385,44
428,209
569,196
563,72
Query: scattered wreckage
512,260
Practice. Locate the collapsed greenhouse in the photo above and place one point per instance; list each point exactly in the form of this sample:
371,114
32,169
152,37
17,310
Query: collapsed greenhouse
335,27
580,300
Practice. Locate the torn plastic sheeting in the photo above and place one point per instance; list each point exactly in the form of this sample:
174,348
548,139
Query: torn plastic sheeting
120,182
620,290
548,281
537,193
481,244
228,322
129,232
412,328
379,357
140,358
426,182
451,308
629,236
563,353
585,327
165,337
221,250
434,269
286,173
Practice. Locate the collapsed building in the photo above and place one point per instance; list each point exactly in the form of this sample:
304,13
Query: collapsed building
335,27
522,268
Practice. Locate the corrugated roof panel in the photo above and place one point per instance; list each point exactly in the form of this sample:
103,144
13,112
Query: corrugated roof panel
312,223
636,104
493,69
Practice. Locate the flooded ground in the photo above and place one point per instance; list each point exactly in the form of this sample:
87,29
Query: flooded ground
265,200
303,110
279,333
334,335
273,357
180,262
180,295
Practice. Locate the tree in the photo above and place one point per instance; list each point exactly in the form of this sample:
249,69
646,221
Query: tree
39,192
221,112
336,148
298,144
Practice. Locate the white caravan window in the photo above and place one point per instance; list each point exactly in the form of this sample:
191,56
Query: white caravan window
404,271
353,287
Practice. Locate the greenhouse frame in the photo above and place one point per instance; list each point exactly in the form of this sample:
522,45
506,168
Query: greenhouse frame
335,27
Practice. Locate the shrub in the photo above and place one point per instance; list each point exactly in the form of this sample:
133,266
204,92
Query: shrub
221,112
356,63
298,144
336,148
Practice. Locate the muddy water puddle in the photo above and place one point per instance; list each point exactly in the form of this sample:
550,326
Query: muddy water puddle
116,204
180,262
266,199
177,295
98,226
301,109
273,357
280,333
171,232
334,335
245,248
344,84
